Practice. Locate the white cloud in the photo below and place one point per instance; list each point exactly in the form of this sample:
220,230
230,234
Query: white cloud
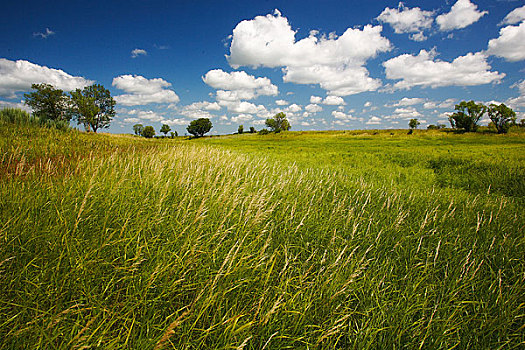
515,16
406,20
335,63
142,91
176,121
461,15
131,120
520,100
17,76
334,101
242,118
424,70
294,108
374,121
313,108
199,109
239,85
510,44
281,102
316,99
342,116
48,32
368,104
448,103
406,101
138,52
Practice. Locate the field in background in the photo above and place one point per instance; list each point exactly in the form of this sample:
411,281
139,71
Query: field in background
296,240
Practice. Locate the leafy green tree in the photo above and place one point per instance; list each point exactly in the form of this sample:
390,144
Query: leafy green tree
148,132
278,123
467,116
502,116
199,127
93,106
240,130
252,130
165,129
174,134
413,123
138,128
48,103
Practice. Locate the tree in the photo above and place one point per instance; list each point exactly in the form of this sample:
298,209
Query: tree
252,130
48,103
93,106
278,123
467,116
165,129
199,127
240,130
413,123
138,128
174,134
502,116
148,132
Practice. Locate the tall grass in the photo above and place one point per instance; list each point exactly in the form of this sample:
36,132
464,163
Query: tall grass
185,245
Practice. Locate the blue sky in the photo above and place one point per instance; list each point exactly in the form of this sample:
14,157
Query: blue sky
326,64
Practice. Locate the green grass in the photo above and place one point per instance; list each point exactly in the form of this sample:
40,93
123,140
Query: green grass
298,240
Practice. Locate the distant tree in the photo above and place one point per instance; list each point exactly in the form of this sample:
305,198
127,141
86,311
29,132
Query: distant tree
467,116
173,134
502,116
413,123
199,127
93,106
278,123
165,129
264,132
252,130
138,128
148,132
240,130
48,103
522,123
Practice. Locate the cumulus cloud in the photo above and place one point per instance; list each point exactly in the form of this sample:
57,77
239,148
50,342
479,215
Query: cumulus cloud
334,101
17,76
520,100
426,71
461,15
236,86
241,118
293,108
510,44
406,101
281,102
199,109
374,121
448,103
138,52
142,91
408,20
335,63
313,108
316,99
515,16
48,32
343,116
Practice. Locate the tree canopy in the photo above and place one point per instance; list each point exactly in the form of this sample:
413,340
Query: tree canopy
137,129
502,117
467,116
199,127
413,123
165,129
148,132
48,103
278,123
93,106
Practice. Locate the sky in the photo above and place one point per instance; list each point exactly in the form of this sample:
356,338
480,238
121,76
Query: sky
325,64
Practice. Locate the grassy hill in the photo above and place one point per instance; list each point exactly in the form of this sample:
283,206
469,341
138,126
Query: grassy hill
296,240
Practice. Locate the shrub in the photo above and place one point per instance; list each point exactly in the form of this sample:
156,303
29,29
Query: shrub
264,132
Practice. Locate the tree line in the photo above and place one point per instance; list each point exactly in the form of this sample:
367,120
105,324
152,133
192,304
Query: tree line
468,114
92,106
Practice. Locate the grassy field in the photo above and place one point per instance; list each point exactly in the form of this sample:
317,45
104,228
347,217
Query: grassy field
297,240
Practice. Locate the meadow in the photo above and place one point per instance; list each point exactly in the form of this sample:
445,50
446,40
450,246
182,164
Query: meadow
299,240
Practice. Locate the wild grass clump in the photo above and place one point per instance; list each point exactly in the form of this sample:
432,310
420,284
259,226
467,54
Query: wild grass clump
18,116
201,246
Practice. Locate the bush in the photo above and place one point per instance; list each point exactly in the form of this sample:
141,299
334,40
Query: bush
264,132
